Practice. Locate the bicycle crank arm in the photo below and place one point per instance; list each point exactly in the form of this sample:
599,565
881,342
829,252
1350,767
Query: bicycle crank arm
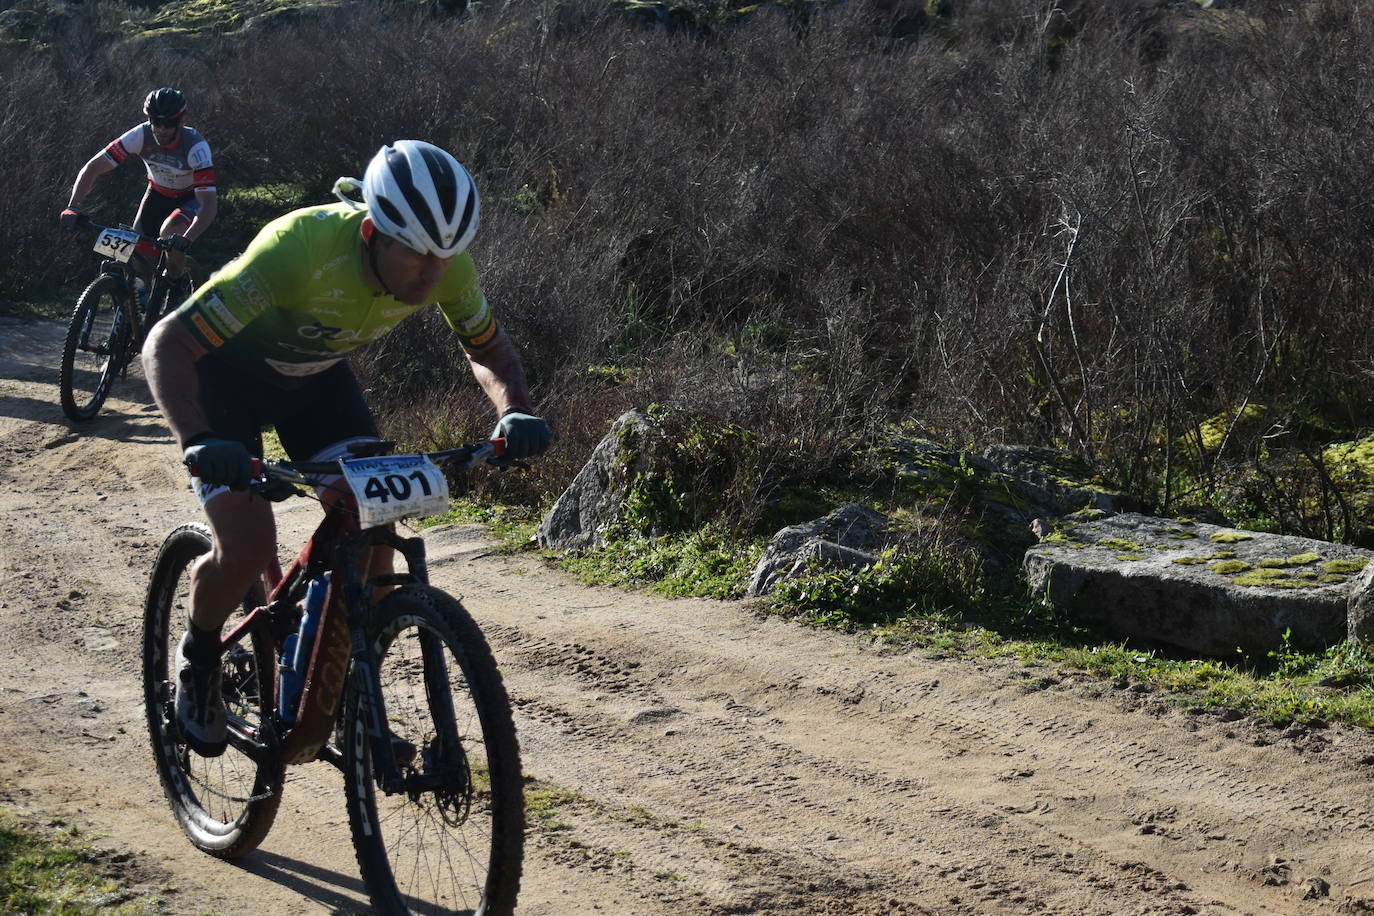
247,740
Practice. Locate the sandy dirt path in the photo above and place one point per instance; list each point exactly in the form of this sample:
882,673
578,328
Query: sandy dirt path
707,760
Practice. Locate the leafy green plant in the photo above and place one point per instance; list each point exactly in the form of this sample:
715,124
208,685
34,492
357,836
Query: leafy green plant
932,581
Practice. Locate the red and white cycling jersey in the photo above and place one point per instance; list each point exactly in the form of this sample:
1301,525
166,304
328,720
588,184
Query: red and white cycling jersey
174,170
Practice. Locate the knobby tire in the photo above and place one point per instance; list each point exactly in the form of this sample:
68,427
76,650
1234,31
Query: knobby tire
226,804
460,848
97,322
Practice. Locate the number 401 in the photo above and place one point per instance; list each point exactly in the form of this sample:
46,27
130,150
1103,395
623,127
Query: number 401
394,486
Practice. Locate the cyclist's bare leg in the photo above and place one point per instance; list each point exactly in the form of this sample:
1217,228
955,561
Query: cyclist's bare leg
245,542
175,224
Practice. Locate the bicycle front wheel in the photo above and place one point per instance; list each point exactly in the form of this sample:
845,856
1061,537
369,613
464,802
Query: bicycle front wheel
224,804
98,338
452,839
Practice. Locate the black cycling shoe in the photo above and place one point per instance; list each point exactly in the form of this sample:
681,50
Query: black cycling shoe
200,707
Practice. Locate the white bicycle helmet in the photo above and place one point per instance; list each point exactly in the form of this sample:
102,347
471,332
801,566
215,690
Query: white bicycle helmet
421,195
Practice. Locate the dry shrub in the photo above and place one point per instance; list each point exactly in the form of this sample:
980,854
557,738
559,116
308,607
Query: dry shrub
1073,224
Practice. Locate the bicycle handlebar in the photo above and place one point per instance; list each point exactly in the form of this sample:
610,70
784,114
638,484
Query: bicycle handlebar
300,473
85,224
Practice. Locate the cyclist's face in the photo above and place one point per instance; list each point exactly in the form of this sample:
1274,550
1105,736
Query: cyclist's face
164,131
410,275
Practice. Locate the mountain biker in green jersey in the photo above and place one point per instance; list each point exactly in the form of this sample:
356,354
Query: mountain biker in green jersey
263,343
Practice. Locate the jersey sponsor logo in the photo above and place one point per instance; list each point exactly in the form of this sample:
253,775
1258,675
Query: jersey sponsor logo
215,306
331,265
474,325
251,291
333,295
284,347
321,311
318,331
301,369
206,331
116,151
199,156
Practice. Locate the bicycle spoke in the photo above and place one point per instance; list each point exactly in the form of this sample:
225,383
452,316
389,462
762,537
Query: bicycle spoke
225,804
93,353
443,842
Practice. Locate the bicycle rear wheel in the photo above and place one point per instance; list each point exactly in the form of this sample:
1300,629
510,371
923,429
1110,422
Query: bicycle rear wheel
224,804
454,840
98,338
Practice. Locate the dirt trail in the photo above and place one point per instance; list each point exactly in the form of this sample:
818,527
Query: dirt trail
710,761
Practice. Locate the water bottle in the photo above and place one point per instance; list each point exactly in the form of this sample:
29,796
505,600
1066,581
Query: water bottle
295,651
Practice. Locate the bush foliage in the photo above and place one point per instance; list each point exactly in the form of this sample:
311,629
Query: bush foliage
1098,226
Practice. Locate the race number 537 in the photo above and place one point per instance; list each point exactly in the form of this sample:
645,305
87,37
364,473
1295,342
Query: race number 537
392,487
116,243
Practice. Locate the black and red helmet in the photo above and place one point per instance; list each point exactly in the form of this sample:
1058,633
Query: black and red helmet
166,104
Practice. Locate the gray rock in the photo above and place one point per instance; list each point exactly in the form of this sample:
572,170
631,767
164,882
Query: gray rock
595,500
1053,483
1199,587
844,539
1360,608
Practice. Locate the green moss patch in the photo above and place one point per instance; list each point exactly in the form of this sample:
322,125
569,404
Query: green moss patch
1230,567
1230,537
1123,544
1271,578
1346,566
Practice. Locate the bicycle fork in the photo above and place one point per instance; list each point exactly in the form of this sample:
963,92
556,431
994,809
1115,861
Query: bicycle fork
394,760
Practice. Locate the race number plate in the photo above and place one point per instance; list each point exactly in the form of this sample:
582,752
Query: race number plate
116,243
392,487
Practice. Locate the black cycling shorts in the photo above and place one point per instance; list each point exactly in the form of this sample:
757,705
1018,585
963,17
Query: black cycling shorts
324,411
155,208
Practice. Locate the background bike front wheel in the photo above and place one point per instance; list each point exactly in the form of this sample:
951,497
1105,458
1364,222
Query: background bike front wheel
224,804
97,345
453,841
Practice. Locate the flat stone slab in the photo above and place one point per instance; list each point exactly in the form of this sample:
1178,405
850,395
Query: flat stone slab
1199,587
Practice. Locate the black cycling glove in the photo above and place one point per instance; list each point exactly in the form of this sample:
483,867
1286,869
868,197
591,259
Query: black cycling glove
219,462
525,435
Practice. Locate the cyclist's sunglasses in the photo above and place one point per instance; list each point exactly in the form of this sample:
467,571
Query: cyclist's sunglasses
166,122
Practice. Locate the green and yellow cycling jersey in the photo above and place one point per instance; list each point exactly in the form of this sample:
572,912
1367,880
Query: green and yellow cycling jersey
296,301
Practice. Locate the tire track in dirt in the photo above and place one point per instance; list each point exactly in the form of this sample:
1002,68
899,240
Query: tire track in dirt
1056,782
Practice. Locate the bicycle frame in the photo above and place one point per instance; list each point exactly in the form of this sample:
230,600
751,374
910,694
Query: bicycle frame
138,264
340,649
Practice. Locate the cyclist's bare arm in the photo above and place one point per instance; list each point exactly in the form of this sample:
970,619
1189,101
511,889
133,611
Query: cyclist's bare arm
498,370
97,165
169,362
209,207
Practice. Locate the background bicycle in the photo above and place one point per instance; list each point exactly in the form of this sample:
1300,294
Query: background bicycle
113,315
403,696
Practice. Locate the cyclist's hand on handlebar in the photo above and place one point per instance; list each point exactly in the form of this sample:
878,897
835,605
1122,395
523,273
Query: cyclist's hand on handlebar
179,242
220,461
70,218
525,435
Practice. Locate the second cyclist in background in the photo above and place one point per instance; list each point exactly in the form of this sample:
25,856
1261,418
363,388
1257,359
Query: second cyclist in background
180,202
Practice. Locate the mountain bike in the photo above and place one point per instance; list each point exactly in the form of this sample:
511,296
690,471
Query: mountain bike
113,315
402,695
